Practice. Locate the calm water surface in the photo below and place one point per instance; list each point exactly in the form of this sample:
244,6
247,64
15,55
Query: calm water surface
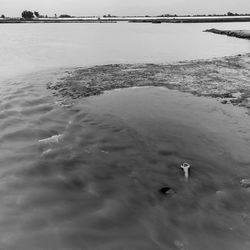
88,176
32,47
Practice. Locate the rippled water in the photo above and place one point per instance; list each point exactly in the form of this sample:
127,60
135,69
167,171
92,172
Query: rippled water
88,176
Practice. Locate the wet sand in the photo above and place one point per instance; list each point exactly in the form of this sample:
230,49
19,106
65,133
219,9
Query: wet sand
226,79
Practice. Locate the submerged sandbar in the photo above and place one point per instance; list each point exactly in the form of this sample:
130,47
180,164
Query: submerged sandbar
224,78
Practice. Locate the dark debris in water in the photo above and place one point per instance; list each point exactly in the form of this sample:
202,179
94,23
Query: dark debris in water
166,190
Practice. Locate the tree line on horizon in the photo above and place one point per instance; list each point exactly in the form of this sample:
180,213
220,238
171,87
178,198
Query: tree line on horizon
29,15
206,15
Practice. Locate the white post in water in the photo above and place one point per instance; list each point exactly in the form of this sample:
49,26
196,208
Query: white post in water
185,167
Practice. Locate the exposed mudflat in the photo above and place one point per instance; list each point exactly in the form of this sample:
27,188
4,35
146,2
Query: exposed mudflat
224,78
245,34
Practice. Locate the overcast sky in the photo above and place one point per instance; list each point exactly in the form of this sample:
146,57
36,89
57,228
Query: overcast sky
123,7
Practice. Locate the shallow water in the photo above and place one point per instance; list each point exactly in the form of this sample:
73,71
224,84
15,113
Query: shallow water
88,176
33,47
95,184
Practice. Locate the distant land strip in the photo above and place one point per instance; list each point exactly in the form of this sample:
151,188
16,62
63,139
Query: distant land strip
245,34
178,19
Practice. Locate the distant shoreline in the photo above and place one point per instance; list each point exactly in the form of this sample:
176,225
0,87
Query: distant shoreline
203,19
245,34
54,21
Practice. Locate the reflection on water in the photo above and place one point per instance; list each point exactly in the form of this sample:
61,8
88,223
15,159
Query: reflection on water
93,179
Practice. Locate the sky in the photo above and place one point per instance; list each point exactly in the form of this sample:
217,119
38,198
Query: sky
123,7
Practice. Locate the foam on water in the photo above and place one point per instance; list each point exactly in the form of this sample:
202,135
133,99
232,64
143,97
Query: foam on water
98,186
